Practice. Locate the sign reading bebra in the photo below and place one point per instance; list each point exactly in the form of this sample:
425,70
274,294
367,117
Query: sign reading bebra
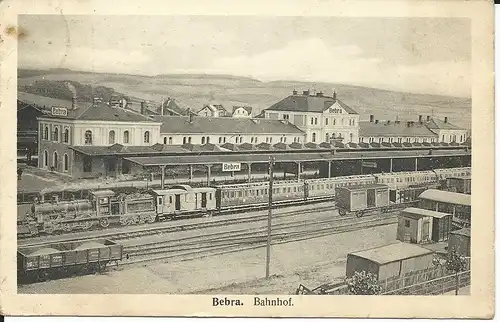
59,111
227,167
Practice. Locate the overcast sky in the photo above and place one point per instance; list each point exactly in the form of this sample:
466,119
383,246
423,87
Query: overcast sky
422,55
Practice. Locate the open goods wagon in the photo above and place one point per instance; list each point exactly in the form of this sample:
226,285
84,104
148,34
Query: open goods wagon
40,263
361,199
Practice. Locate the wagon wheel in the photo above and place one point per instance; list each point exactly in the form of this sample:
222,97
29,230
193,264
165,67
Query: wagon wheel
342,212
359,214
136,220
49,228
123,221
150,219
87,224
42,276
104,222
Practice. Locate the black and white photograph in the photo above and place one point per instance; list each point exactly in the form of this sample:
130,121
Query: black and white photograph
241,154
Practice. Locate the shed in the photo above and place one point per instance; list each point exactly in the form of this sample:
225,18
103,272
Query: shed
361,197
417,225
460,241
391,260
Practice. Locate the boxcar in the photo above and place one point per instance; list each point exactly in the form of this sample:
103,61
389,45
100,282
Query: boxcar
459,184
363,198
39,263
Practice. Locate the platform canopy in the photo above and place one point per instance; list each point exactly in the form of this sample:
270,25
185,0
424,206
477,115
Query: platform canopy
284,157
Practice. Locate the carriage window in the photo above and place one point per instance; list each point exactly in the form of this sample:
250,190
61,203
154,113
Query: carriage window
407,223
210,196
170,199
257,191
160,199
240,194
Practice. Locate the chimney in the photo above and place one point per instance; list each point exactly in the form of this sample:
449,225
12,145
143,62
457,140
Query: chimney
73,103
397,121
446,119
143,108
376,121
334,95
305,93
190,115
428,118
388,122
294,92
420,119
319,94
372,117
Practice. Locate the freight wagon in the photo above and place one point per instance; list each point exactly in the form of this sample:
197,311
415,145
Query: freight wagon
362,199
41,263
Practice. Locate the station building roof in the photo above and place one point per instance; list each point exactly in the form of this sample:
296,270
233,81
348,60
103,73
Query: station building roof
392,253
393,129
309,103
418,213
446,197
224,125
436,124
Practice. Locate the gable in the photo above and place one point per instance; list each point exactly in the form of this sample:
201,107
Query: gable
335,109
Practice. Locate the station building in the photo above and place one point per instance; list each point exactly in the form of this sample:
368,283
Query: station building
319,116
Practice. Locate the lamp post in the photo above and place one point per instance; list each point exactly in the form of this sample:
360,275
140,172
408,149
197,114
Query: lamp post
269,215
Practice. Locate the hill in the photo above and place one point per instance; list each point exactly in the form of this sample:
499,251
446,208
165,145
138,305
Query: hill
195,90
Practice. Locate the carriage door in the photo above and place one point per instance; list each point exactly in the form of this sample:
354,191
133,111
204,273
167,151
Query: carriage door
370,198
425,229
177,202
203,200
115,207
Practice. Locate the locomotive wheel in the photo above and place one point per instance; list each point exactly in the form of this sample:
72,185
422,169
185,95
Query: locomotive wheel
42,276
342,212
359,214
67,227
104,222
136,220
150,219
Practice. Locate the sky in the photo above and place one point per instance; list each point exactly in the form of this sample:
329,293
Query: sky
419,55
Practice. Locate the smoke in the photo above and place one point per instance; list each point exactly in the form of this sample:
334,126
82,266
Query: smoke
71,88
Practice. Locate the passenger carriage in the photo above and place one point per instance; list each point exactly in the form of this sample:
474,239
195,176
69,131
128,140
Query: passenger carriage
457,204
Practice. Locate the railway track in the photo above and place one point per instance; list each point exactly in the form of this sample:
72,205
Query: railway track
144,231
238,240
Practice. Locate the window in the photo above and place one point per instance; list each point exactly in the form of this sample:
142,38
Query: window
66,136
442,139
45,158
111,137
202,140
224,139
326,121
170,199
46,133
407,223
314,137
220,139
126,137
55,160
251,140
88,137
170,140
350,136
316,121
312,120
87,164
146,137
286,117
284,139
184,140
165,140
56,134
334,121
66,162
189,140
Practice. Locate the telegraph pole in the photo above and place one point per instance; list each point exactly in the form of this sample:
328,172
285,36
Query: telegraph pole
269,215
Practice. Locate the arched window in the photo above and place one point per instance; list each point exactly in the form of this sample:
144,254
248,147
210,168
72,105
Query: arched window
126,137
170,140
314,137
111,139
66,162
56,134
220,139
208,139
88,137
45,158
66,136
184,140
334,121
165,140
46,133
327,137
350,137
55,160
146,137
202,140
189,140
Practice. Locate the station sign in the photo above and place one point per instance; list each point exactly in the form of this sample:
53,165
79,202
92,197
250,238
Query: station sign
229,167
59,111
369,164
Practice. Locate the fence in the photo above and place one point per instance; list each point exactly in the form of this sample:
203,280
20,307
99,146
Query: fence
435,286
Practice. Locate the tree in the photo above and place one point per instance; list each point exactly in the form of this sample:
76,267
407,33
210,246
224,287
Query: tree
363,283
455,263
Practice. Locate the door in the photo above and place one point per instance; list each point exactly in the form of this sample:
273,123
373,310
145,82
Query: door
115,208
177,202
370,198
203,200
425,230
